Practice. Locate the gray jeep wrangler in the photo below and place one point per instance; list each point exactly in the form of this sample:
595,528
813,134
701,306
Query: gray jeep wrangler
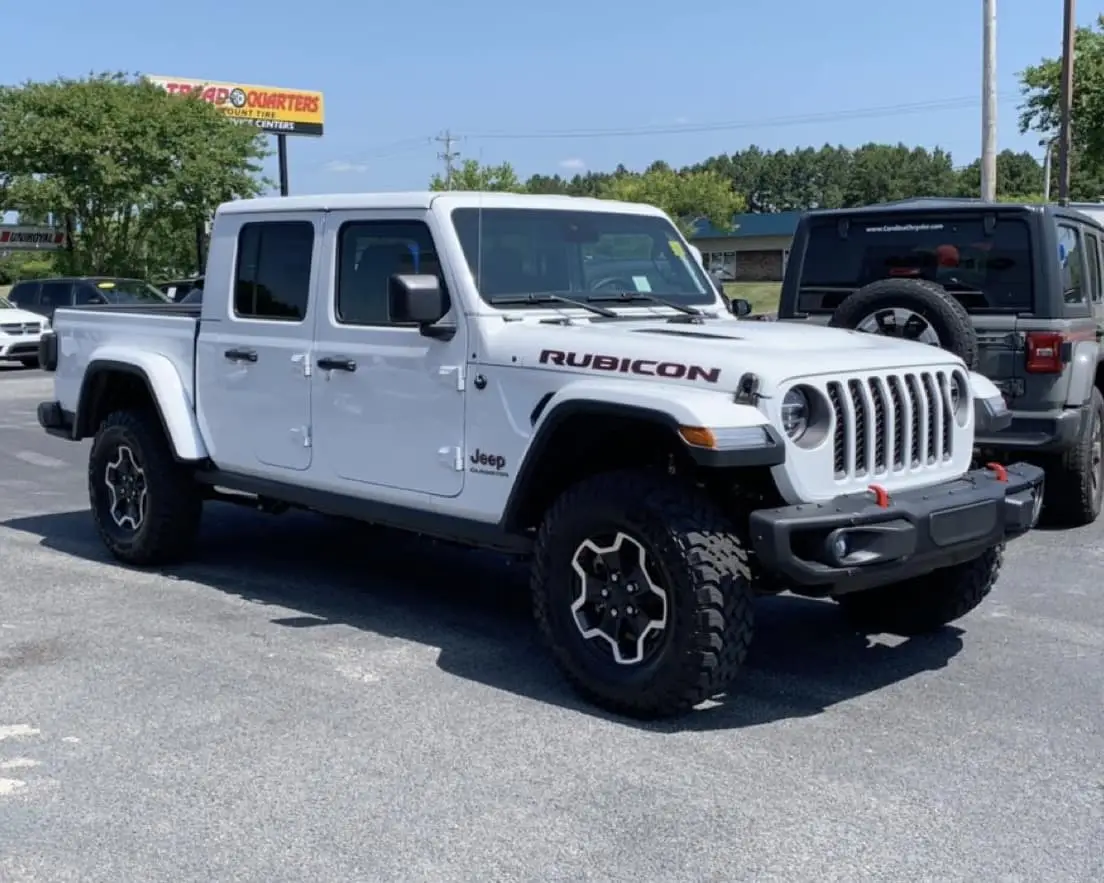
1015,290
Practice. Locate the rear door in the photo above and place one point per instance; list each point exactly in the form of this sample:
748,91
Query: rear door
53,295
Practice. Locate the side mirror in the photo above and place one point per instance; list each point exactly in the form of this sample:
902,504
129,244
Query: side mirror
740,307
419,299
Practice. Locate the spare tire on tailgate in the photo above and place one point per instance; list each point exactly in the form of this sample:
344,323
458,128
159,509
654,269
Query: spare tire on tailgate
912,309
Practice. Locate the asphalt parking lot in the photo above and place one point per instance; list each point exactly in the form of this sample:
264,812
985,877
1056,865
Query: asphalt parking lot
312,704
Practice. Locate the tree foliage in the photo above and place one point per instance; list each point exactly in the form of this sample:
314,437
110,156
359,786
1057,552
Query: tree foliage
473,176
1041,110
129,168
685,196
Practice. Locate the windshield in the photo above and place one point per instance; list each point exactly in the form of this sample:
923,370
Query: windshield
129,291
985,272
578,254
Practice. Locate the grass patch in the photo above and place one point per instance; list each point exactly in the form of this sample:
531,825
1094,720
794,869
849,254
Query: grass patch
763,296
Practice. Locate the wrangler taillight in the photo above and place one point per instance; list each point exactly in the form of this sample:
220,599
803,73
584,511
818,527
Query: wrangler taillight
1044,352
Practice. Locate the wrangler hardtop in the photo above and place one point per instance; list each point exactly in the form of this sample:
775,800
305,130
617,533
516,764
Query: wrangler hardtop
555,378
1013,289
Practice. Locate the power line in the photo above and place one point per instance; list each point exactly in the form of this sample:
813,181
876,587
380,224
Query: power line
891,110
447,156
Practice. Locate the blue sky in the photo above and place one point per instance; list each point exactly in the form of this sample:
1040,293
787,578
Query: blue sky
393,79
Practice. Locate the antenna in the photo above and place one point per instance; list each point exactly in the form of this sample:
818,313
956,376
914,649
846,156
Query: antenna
448,155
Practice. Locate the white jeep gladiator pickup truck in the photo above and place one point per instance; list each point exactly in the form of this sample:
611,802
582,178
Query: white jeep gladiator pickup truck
552,377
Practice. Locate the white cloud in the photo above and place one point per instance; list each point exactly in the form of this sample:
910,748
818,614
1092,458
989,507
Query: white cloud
341,166
573,164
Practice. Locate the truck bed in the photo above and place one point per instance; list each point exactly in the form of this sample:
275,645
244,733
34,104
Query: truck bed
101,332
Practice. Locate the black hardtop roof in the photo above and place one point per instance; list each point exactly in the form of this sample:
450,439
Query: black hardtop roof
84,279
951,204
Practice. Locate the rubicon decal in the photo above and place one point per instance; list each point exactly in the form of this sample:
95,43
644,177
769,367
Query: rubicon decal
283,111
620,365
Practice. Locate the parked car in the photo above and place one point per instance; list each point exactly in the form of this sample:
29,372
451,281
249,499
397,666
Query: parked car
459,370
20,333
43,296
1014,290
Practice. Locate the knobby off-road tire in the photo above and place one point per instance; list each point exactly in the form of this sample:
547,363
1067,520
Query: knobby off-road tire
690,548
1075,481
925,603
946,316
169,522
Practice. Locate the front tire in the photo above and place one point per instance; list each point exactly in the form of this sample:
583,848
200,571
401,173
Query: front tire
642,594
925,603
145,504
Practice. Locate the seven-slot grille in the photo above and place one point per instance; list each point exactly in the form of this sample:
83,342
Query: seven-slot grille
894,423
21,327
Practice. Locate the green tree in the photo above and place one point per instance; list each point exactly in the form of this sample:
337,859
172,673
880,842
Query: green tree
133,169
685,196
1017,173
473,176
1041,109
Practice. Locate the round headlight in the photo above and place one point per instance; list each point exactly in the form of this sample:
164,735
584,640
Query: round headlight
795,413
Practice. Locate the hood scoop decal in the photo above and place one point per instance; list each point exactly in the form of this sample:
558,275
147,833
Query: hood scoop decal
680,333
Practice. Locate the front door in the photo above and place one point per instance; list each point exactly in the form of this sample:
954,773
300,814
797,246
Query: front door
388,402
252,356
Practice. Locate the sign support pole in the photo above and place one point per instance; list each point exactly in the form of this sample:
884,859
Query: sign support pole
281,151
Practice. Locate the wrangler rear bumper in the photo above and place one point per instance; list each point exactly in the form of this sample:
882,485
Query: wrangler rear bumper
852,543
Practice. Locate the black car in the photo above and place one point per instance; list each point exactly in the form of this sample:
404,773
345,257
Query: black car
43,296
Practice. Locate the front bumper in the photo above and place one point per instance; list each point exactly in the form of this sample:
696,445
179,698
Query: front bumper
55,419
852,543
19,347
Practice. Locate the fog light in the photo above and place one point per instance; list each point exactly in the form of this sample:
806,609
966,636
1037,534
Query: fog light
840,547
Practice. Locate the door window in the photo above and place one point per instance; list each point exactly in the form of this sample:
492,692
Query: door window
369,253
23,295
273,270
54,295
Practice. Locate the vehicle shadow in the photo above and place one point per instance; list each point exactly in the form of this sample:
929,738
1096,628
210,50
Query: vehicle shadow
473,606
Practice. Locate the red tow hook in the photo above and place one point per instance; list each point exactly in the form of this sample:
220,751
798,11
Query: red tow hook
881,495
1002,473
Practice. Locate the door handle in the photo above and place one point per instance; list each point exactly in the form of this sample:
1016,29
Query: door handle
241,355
336,363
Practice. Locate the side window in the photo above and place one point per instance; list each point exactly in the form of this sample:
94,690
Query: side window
88,294
273,272
55,294
1069,256
1092,252
369,253
23,295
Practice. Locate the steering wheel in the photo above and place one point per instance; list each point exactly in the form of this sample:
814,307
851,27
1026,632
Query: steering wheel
617,283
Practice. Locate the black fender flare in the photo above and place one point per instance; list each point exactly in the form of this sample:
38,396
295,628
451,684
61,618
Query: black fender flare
772,453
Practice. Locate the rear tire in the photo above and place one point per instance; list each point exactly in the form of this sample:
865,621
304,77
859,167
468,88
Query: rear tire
678,580
1075,484
925,603
145,504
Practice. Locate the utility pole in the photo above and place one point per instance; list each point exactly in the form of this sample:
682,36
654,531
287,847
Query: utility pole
1065,139
447,156
989,101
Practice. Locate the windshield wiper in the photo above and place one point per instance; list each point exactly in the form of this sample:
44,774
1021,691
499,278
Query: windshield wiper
544,297
630,296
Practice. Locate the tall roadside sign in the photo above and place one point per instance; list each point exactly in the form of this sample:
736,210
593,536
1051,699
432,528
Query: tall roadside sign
281,112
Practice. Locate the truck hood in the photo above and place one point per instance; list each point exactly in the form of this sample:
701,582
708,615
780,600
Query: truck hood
718,351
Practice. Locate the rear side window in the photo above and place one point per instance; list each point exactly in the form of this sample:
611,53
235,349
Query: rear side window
989,273
1069,264
1092,252
23,295
273,270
